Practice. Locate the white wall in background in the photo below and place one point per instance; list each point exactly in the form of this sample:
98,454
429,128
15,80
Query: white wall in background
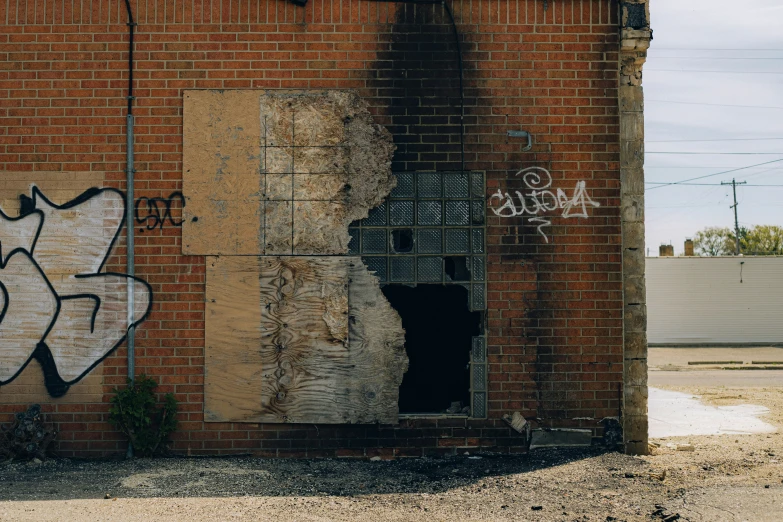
701,300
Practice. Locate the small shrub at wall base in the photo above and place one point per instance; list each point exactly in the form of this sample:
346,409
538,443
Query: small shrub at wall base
135,412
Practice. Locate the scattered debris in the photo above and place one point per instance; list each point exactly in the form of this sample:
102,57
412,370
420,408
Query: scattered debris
455,408
685,447
660,514
613,432
27,438
516,421
658,475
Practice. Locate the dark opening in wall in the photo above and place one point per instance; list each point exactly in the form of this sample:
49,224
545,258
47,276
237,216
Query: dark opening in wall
457,268
439,328
402,240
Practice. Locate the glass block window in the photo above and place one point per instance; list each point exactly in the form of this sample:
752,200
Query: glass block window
443,215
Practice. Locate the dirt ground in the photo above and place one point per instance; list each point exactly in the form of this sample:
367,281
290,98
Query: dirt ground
732,478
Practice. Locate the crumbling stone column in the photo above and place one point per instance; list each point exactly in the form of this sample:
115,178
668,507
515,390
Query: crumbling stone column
634,42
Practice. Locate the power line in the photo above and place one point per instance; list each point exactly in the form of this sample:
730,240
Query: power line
715,174
719,72
711,49
702,184
719,57
734,184
717,153
691,167
715,104
721,139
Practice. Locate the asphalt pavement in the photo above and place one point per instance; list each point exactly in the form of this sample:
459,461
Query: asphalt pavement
716,378
675,367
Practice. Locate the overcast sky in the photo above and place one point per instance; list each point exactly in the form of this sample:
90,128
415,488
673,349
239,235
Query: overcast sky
743,43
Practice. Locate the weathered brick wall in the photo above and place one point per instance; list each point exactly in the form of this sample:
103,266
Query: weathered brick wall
555,305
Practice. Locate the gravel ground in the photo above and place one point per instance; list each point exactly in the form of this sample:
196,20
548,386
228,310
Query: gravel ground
724,478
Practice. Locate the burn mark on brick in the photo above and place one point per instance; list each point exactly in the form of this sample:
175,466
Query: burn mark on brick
419,75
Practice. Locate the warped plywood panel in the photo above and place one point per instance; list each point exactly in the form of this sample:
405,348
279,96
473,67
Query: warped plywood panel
300,340
279,172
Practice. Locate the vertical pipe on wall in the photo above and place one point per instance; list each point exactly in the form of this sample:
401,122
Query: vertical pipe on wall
129,198
131,257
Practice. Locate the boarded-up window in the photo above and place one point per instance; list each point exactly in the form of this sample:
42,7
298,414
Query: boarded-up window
300,339
279,172
272,180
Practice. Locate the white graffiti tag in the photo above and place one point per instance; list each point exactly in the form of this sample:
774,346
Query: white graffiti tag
538,198
57,303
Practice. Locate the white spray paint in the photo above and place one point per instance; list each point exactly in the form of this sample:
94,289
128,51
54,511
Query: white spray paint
538,198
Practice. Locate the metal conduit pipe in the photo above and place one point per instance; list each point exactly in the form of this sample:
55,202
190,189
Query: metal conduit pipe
129,198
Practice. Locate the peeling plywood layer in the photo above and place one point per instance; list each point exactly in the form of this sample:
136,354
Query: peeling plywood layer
279,172
300,339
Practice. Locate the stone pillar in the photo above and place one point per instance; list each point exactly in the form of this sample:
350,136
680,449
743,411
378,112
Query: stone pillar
635,39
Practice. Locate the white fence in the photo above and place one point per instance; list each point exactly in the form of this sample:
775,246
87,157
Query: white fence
715,300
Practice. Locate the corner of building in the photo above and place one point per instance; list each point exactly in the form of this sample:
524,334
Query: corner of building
635,37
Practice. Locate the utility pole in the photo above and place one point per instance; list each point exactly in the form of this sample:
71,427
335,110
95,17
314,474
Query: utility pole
734,184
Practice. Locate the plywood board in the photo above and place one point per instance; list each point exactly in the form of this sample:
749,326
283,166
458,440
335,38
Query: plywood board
222,179
24,324
300,340
279,172
29,388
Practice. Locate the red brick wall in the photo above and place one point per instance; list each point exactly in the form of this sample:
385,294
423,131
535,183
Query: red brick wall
555,309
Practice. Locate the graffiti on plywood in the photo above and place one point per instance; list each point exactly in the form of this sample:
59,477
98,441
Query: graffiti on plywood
538,198
57,305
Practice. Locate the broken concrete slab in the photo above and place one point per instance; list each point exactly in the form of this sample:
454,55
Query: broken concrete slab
560,438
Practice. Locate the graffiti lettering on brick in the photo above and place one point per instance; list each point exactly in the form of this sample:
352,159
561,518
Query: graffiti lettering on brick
57,305
538,200
154,212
